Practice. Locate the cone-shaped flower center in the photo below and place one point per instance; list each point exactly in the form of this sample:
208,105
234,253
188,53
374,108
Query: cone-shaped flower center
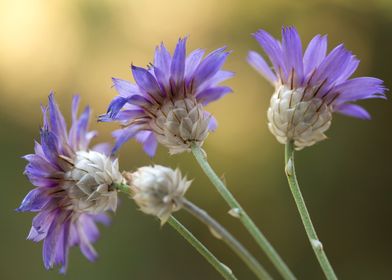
299,115
90,182
180,123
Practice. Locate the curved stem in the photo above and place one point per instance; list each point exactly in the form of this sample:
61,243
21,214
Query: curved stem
220,232
239,212
303,211
188,236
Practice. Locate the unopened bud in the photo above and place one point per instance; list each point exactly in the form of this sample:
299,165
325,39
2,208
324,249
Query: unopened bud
159,190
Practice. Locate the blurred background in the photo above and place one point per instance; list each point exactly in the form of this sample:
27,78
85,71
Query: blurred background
77,46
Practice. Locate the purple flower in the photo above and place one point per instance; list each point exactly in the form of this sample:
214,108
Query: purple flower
66,215
166,103
310,86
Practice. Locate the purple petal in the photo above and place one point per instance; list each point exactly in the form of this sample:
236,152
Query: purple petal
350,69
50,244
57,122
41,224
39,181
89,228
333,65
360,88
123,135
212,94
61,255
126,115
125,88
274,51
210,66
292,51
114,108
162,59
102,218
64,247
39,166
177,68
49,145
34,201
146,81
353,110
139,100
38,149
315,53
103,148
147,138
75,107
80,139
73,235
192,61
219,77
213,124
85,245
259,64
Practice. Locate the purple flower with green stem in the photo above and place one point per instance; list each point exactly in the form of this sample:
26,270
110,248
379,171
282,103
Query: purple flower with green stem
310,85
166,104
70,193
309,88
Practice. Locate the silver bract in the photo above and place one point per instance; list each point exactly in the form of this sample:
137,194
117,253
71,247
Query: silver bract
298,115
180,123
90,182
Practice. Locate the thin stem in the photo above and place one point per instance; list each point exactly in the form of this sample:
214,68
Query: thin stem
239,212
220,232
184,232
188,236
303,211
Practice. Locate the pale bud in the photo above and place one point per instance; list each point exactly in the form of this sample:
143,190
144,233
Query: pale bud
180,123
159,190
297,115
90,182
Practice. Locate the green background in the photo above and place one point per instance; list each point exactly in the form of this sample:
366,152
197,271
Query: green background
77,46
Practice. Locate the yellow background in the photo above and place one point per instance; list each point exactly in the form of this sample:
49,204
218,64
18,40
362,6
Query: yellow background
76,46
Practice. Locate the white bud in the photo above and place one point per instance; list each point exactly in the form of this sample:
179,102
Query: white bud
180,123
299,115
159,190
90,182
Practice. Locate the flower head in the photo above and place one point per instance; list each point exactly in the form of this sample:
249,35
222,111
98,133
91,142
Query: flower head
167,102
159,190
72,186
310,86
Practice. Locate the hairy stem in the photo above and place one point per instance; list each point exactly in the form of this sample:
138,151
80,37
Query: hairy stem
239,212
220,232
303,211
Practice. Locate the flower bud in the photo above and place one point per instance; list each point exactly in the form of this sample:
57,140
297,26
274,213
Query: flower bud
159,190
180,123
295,115
90,182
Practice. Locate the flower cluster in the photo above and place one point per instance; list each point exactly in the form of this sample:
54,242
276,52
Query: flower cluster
72,186
76,185
310,86
167,102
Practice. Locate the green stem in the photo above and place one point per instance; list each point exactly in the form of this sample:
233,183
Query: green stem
188,236
220,232
239,212
184,232
303,211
